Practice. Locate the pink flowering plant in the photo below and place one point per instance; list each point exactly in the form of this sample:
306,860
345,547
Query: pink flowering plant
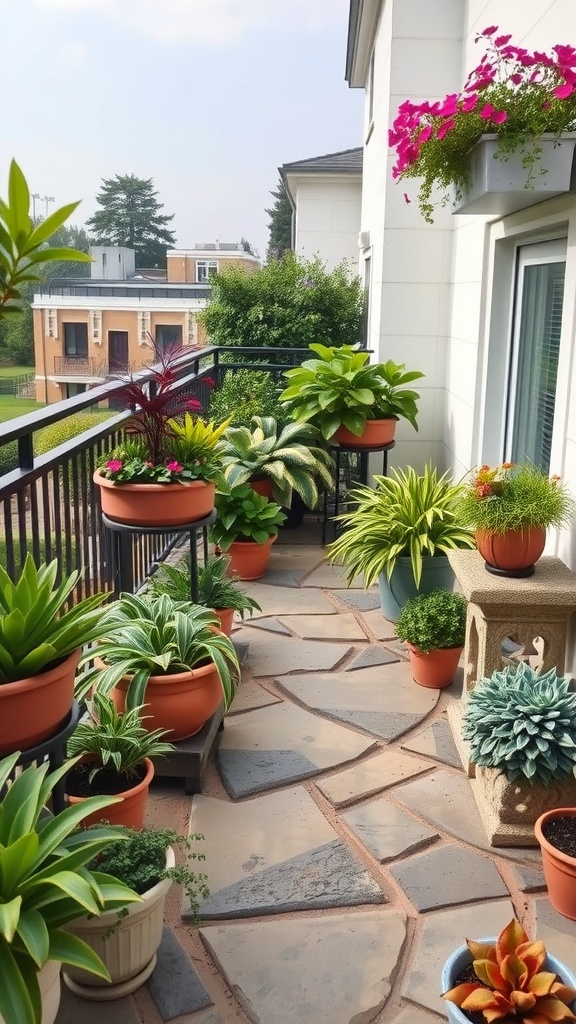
515,94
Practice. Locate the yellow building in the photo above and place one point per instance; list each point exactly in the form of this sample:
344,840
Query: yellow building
86,329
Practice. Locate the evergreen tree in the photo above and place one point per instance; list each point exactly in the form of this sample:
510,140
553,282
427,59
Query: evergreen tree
280,224
131,217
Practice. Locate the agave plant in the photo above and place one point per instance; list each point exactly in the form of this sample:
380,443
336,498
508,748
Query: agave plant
404,514
35,628
45,883
291,459
157,636
523,723
511,983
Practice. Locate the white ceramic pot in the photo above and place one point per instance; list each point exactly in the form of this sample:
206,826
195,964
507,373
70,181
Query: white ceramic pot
49,981
127,945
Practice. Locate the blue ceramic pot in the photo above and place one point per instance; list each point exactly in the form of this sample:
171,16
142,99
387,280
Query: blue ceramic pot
400,588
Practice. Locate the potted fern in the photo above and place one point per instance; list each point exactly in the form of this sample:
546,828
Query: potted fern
398,534
246,527
115,752
217,589
434,627
127,942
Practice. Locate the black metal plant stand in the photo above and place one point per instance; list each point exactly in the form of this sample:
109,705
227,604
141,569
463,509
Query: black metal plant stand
332,502
54,750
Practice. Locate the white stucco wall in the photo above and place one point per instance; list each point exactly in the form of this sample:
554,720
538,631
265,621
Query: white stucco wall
328,217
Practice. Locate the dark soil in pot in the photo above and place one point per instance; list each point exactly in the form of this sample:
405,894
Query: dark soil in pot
561,833
106,783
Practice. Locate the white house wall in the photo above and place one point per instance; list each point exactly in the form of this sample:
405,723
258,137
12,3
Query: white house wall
328,219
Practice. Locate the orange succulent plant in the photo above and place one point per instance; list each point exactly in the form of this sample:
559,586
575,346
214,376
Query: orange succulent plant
511,984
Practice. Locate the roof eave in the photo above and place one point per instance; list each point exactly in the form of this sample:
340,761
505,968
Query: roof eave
362,23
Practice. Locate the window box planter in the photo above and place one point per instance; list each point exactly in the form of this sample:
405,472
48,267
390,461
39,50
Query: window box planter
498,187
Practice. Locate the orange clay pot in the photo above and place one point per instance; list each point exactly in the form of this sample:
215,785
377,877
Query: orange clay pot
513,551
249,560
376,432
155,504
32,710
436,669
559,868
226,616
180,703
262,487
130,811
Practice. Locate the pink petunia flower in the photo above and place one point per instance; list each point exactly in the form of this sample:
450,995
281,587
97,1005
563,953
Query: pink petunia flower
114,465
562,92
210,382
174,466
490,30
499,116
444,128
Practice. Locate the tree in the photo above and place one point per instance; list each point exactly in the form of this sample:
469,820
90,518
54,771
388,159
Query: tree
286,304
72,237
247,247
131,217
280,224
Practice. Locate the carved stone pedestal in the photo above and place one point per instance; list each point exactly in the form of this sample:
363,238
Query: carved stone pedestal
509,809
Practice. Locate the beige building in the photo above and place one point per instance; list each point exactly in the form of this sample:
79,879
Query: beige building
86,329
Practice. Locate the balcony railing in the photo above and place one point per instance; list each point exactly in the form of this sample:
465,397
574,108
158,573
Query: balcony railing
75,366
49,504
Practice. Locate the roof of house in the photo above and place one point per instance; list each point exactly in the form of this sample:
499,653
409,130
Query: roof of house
347,161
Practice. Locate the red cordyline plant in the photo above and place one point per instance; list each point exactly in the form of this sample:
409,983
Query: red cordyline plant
511,983
514,93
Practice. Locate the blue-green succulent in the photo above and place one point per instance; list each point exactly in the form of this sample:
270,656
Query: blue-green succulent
523,723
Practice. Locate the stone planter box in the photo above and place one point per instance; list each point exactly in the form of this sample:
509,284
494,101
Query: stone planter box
509,809
497,187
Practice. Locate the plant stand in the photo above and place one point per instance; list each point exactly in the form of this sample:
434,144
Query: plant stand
499,608
331,509
508,810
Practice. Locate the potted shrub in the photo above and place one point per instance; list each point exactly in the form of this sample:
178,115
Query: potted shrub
216,588
277,462
555,831
510,508
40,858
509,979
246,527
399,533
352,402
169,655
506,124
168,454
521,727
127,942
115,752
434,627
40,645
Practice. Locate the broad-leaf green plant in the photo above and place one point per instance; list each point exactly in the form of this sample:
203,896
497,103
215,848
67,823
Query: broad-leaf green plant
523,723
216,589
434,621
341,388
45,883
115,739
244,515
290,458
155,636
404,514
23,247
35,629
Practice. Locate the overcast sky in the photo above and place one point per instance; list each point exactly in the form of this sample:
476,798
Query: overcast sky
207,97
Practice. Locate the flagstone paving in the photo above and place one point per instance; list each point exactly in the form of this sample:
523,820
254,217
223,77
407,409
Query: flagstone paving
345,856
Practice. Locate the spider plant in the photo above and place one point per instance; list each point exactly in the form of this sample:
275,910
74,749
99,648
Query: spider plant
290,458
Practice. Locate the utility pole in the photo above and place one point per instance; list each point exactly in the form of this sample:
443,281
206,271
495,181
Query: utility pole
48,199
35,196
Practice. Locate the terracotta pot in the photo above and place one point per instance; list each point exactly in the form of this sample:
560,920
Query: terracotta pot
32,710
513,552
180,703
226,616
127,945
249,560
49,982
155,504
262,487
559,868
130,811
376,432
435,669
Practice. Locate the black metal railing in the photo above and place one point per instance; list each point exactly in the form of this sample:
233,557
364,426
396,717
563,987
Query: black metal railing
76,366
49,504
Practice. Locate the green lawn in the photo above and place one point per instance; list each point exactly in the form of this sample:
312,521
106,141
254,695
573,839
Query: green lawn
15,371
11,406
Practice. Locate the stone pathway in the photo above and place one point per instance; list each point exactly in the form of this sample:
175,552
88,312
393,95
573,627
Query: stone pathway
343,849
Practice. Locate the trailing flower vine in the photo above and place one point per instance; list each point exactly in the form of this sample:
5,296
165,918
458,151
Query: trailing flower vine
513,93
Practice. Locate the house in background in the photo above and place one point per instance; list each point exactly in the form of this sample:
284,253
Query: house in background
485,306
326,197
87,329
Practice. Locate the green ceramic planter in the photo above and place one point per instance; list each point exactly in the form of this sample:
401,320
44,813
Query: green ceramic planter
400,588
